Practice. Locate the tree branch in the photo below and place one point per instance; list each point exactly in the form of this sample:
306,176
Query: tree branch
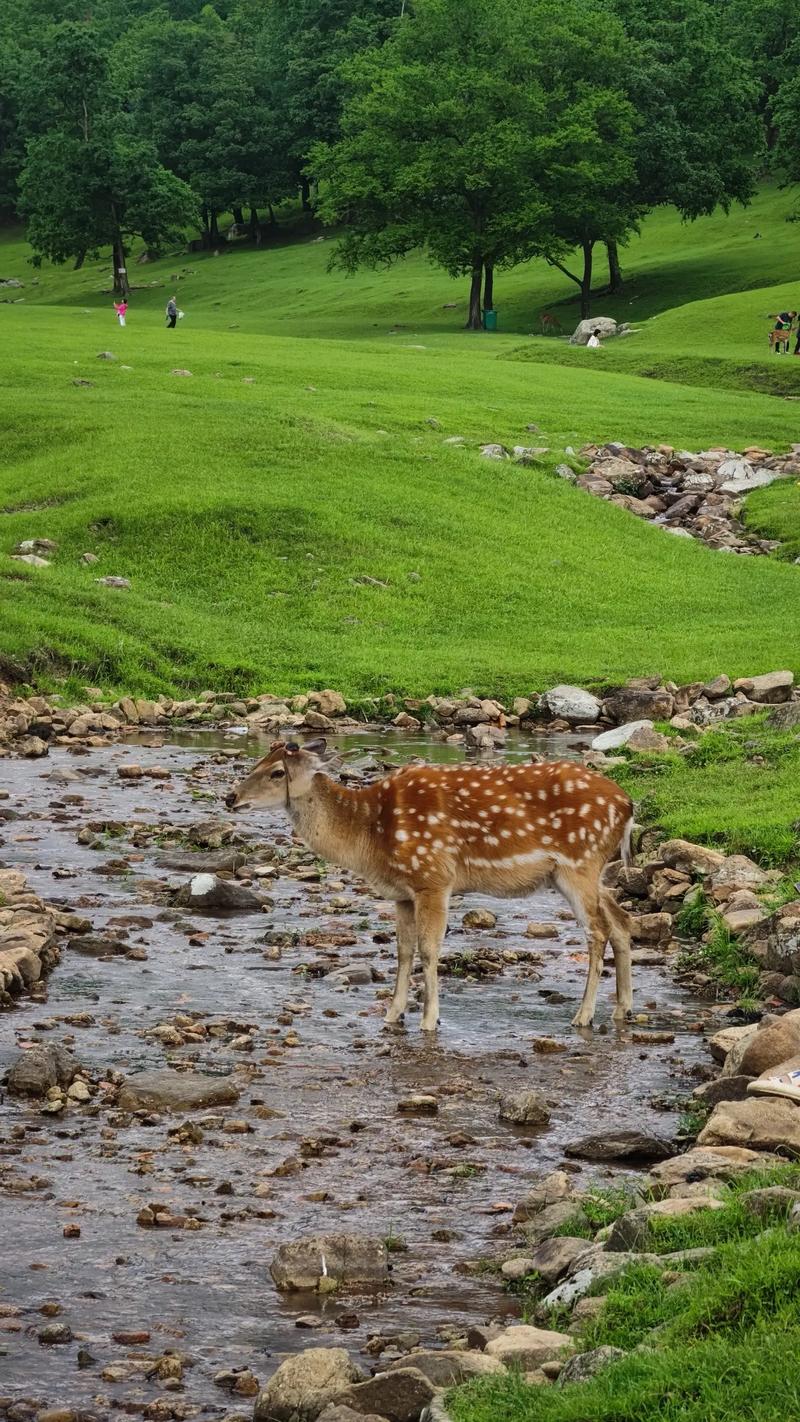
551,262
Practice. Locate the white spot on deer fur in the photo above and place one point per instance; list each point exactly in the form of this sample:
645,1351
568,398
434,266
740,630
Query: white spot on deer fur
495,809
422,849
542,794
601,800
432,819
556,822
401,834
568,786
571,837
598,824
582,832
546,839
584,810
506,834
414,862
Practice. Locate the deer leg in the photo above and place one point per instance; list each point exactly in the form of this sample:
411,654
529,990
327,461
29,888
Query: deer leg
431,908
406,943
583,896
619,931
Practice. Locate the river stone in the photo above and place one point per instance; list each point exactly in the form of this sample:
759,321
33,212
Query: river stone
555,1186
38,1069
304,1384
205,893
724,1041
632,1230
562,1214
598,1273
399,1395
199,862
776,940
553,1257
622,1144
707,1163
774,1041
325,1261
584,1365
524,1108
449,1368
772,1202
97,945
761,1122
747,479
737,872
619,735
772,688
524,1346
632,703
166,1090
571,703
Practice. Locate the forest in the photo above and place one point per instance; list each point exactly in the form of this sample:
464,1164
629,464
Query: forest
485,132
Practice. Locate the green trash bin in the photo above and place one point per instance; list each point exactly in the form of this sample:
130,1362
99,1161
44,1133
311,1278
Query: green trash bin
490,320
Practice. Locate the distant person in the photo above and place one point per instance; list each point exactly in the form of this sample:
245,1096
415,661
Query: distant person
594,339
172,313
785,320
121,308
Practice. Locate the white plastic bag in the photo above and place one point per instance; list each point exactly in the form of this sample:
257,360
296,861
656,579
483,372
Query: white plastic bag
180,315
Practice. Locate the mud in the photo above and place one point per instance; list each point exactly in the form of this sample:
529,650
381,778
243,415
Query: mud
318,1144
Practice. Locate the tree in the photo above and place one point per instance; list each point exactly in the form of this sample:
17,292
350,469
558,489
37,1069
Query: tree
89,180
785,114
468,133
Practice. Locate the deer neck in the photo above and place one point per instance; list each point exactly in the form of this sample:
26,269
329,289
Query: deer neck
335,822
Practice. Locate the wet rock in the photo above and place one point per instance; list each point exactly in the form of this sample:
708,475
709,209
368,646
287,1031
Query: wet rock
706,1163
554,1257
55,1333
479,918
240,1382
418,1105
725,1088
449,1368
555,1187
96,945
304,1385
583,1366
626,1143
175,1091
38,1069
326,1262
524,1108
206,893
523,1346
762,1123
632,1230
399,1396
571,703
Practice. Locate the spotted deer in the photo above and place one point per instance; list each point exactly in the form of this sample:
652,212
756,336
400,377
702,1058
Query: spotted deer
425,832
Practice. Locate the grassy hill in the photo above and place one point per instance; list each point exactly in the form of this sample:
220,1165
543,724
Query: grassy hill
305,453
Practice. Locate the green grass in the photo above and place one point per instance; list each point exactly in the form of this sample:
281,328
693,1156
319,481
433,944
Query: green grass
719,1345
245,514
737,790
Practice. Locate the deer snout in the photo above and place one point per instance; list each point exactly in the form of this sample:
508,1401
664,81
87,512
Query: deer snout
230,800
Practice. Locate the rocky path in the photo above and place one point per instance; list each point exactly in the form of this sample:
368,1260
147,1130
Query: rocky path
143,1222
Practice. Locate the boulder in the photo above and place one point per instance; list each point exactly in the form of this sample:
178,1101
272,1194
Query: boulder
735,873
554,1257
399,1395
325,1262
633,703
304,1384
583,1366
771,1203
619,735
724,1041
745,478
632,1230
571,703
688,858
328,703
772,687
175,1091
448,1368
561,1215
775,941
336,1412
760,1122
524,1108
648,739
625,1143
786,717
555,1186
606,325
523,1346
206,893
774,1041
38,1069
707,1163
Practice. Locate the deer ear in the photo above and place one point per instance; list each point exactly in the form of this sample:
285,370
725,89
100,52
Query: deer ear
318,747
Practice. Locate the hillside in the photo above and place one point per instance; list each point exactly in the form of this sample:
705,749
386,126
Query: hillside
305,453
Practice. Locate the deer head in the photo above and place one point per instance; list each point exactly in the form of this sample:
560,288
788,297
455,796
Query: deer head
283,775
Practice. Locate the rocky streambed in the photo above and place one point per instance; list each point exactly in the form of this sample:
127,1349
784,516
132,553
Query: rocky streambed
198,1089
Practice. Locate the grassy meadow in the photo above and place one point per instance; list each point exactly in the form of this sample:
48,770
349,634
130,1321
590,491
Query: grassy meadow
249,502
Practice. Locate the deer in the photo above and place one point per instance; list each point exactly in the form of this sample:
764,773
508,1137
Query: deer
424,832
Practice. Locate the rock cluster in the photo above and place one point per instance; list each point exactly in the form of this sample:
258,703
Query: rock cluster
28,946
693,495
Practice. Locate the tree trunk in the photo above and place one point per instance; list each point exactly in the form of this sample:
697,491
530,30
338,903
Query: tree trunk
121,287
614,269
305,194
79,261
255,227
238,216
271,211
488,288
586,282
474,321
213,228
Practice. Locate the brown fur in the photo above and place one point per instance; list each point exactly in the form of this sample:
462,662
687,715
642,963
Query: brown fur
425,832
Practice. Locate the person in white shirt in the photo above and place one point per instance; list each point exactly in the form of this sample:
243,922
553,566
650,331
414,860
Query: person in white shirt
594,339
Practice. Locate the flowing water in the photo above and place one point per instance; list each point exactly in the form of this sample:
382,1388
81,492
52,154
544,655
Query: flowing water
320,1146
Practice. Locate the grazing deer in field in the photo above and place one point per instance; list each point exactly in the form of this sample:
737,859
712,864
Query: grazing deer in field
425,832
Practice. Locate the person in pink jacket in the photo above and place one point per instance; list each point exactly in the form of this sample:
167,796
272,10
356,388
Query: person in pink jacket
121,307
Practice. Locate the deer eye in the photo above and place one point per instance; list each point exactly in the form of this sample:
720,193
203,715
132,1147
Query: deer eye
276,774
